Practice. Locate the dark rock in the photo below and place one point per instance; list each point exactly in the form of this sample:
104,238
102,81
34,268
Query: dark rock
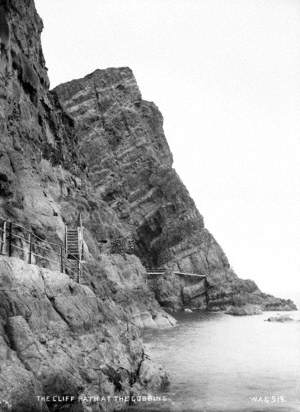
4,28
5,185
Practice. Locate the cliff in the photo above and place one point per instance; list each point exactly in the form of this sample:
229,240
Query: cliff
129,165
58,337
94,147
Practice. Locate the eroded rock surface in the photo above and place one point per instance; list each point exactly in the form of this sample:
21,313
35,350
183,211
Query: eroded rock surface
58,337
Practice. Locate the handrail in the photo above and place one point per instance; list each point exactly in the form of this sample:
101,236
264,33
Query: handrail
34,242
33,234
29,231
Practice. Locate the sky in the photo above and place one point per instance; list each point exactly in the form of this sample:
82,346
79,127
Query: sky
226,77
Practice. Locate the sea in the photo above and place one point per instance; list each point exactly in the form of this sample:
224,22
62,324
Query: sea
223,363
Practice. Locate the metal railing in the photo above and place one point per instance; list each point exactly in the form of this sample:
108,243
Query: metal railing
17,240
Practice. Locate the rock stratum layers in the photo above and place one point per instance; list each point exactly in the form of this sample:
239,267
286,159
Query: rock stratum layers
129,165
91,146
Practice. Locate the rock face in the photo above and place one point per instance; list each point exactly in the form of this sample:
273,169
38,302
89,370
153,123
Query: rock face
129,165
58,337
176,293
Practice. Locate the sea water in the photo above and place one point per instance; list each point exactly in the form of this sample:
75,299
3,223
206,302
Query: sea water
219,362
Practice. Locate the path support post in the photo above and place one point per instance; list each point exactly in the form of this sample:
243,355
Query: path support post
3,240
62,266
79,272
10,236
30,248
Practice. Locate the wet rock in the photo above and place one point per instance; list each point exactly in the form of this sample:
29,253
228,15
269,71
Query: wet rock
245,310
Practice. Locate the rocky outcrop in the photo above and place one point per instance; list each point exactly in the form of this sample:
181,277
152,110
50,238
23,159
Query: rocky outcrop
129,165
60,338
124,280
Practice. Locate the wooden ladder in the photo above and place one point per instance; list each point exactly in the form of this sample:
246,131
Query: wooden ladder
72,244
74,252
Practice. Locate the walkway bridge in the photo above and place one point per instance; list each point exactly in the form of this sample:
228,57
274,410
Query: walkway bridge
192,278
193,290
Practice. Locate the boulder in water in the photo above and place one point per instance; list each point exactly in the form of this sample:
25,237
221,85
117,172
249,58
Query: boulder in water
280,318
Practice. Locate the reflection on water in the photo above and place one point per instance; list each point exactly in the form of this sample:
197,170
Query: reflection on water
224,363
